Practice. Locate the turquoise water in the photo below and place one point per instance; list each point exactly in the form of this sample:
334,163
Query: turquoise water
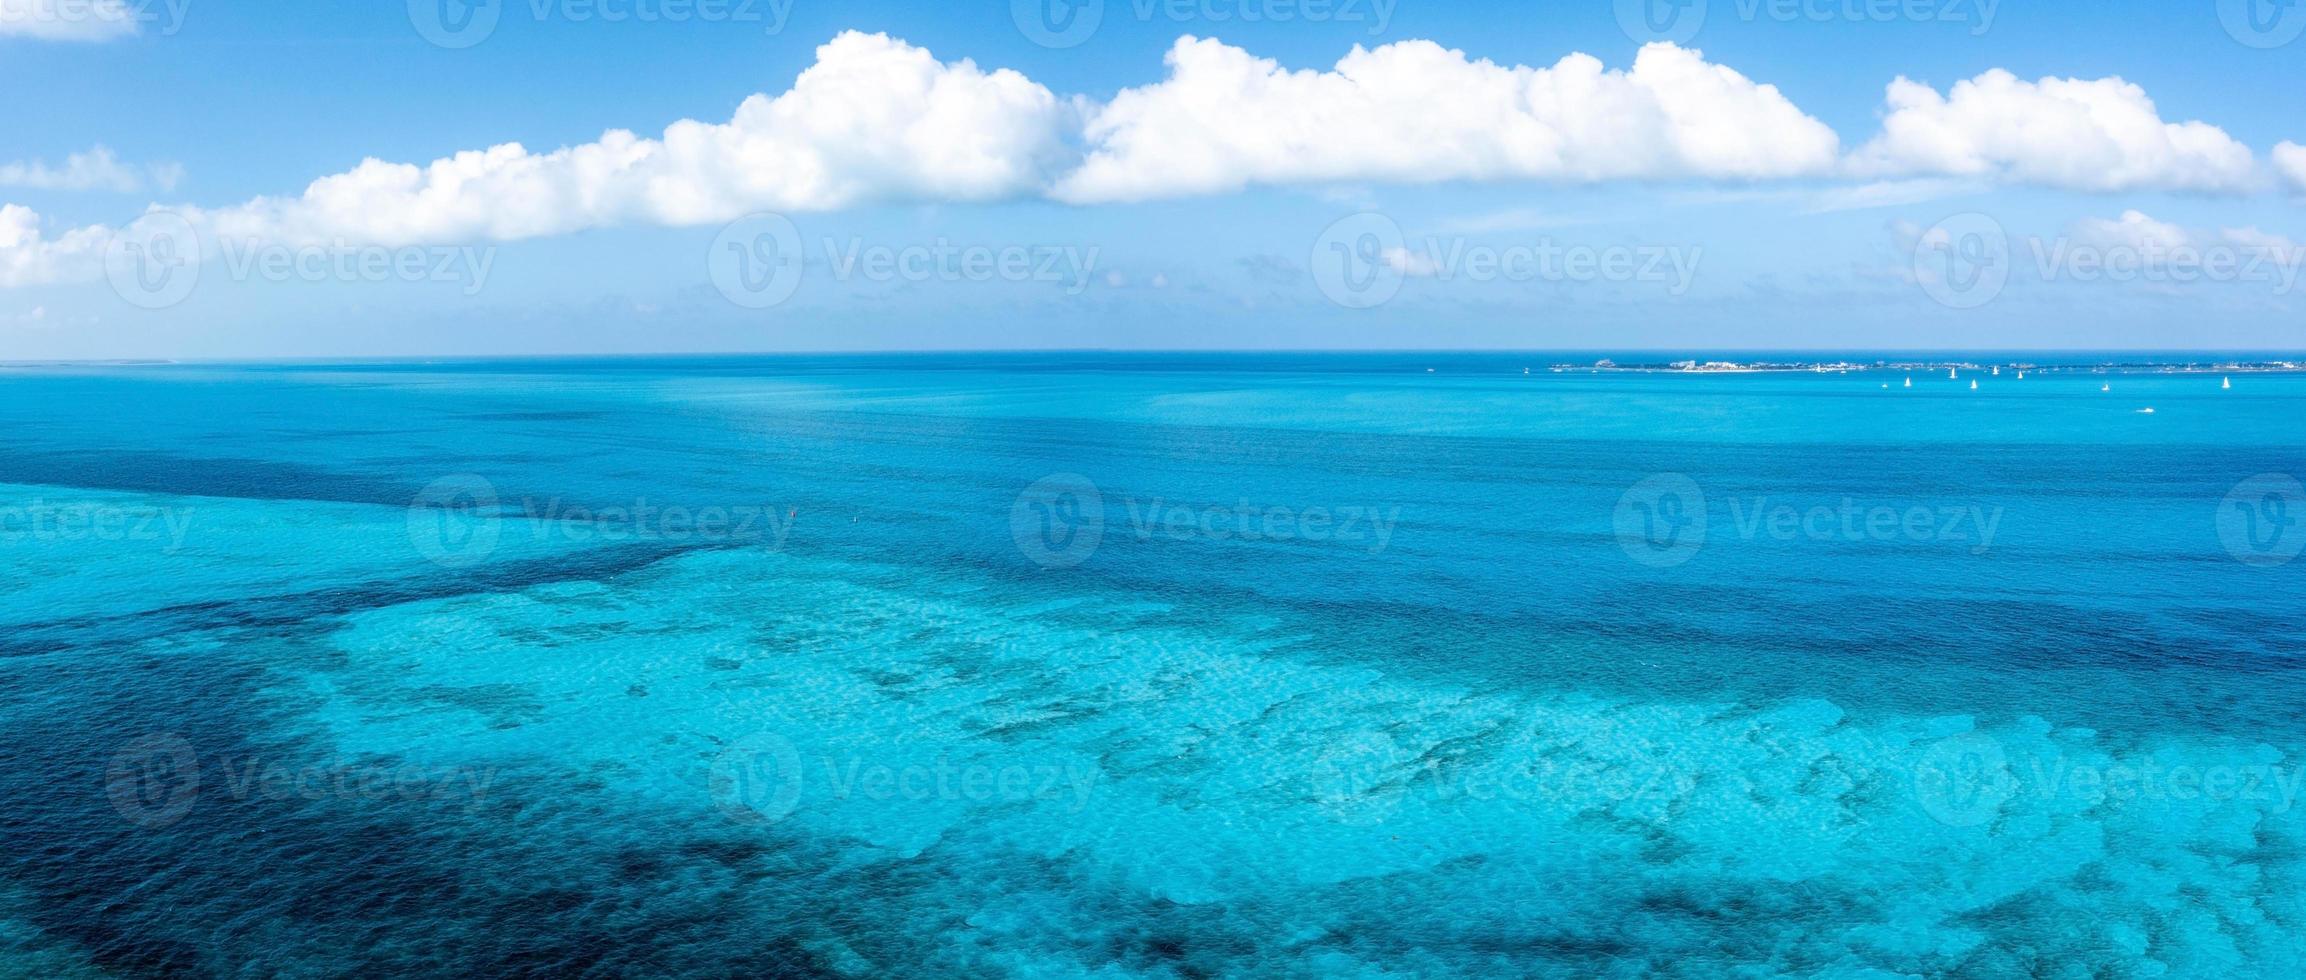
1136,665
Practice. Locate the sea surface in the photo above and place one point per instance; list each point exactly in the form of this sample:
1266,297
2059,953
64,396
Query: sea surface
1128,665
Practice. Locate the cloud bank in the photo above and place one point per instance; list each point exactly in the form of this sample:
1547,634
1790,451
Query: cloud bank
96,169
2101,135
1414,111
876,119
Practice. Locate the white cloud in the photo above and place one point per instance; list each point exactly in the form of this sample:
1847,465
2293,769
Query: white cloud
2136,247
2290,162
874,119
1410,263
877,119
2134,229
1414,111
96,169
28,258
67,20
2096,135
2139,231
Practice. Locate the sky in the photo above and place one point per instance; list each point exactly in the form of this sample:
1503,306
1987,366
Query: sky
203,179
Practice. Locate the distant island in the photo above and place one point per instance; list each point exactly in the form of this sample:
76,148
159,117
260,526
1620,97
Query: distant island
1843,367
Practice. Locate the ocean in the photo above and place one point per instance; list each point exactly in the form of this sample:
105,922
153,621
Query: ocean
1163,665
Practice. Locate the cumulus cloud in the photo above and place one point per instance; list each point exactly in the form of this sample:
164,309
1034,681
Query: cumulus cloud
874,119
67,20
28,258
2290,162
2095,135
96,169
1414,111
877,119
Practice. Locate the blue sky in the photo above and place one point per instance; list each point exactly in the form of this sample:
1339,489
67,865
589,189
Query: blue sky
1094,216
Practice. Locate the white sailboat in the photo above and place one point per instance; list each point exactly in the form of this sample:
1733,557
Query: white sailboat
1949,374
2108,386
1973,386
1909,381
2227,385
1997,370
2021,375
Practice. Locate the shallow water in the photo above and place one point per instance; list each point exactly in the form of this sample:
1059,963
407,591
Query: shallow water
1149,665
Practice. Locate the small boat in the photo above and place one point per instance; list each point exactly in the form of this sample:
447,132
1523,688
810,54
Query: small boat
2227,385
1973,386
1949,374
2148,410
1997,370
2021,375
2108,386
1909,381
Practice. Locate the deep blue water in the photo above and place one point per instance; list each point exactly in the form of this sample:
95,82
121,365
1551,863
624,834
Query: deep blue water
1162,665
